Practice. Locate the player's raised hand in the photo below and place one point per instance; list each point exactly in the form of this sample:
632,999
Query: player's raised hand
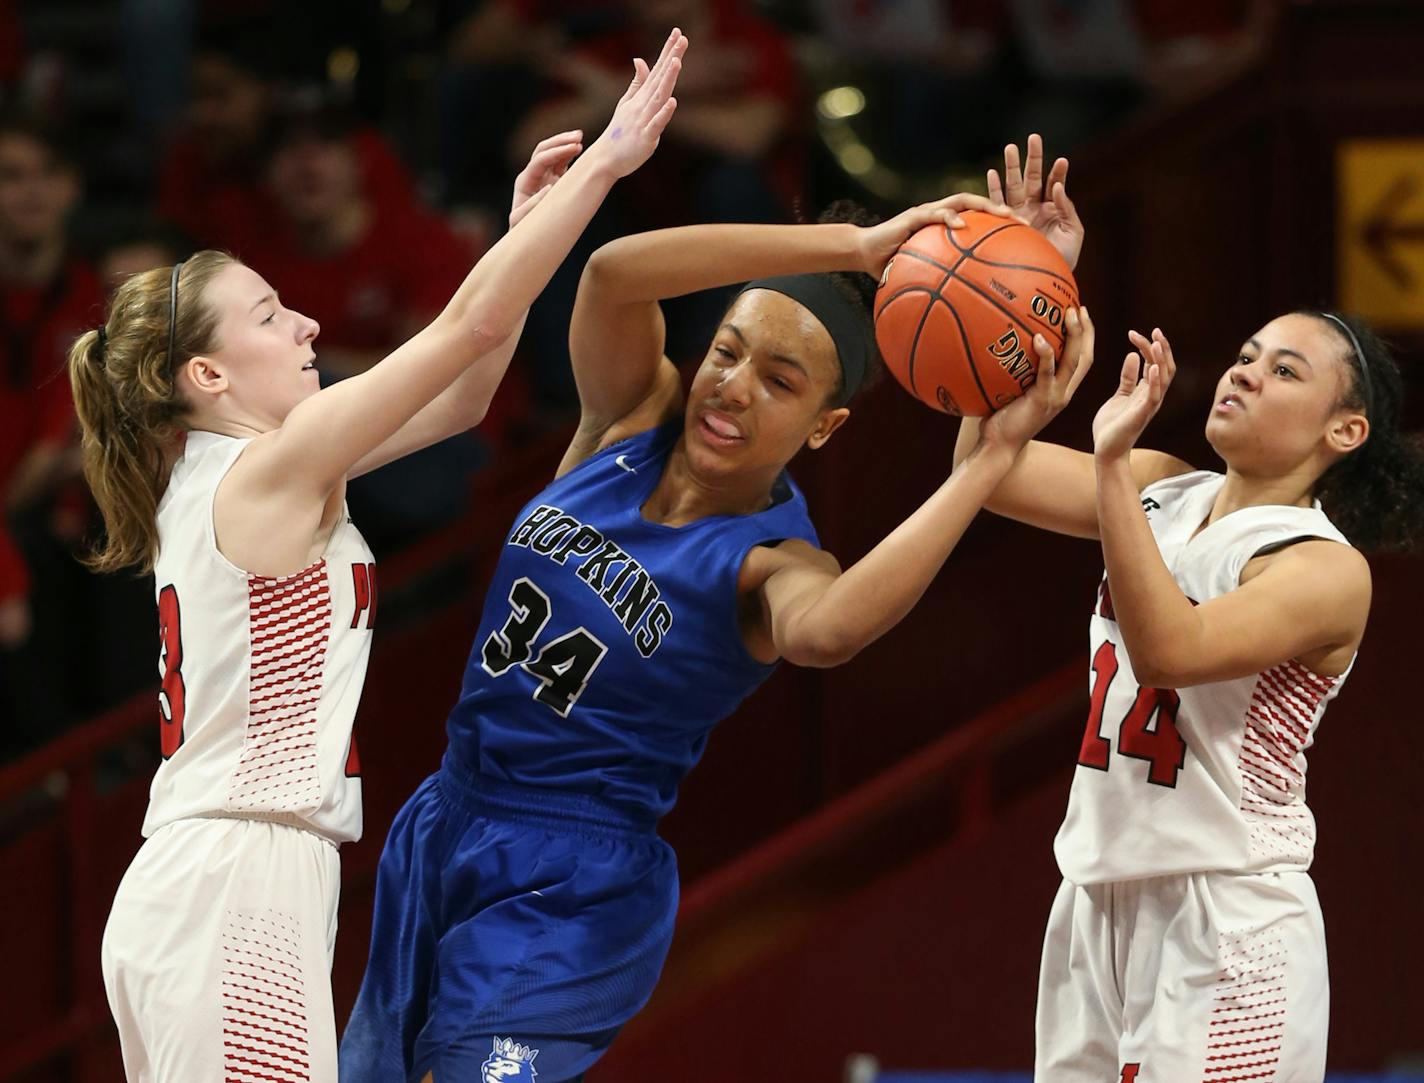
878,243
1058,378
642,113
1043,203
546,165
1146,374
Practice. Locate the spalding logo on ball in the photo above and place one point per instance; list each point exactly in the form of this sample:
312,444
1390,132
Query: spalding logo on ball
957,310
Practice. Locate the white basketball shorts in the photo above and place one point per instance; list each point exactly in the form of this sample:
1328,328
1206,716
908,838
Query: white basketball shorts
1204,978
217,954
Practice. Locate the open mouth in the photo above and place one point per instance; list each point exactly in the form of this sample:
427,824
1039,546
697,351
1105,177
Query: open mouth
1229,403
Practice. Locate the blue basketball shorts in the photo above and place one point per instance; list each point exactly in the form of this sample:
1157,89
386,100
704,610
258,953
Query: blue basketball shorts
516,930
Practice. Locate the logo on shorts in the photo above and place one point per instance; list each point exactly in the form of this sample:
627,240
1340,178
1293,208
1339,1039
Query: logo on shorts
509,1061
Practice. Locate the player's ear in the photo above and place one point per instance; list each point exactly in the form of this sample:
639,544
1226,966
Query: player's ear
1347,431
202,376
827,423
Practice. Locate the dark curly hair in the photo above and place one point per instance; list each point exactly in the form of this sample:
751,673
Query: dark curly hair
859,289
1375,495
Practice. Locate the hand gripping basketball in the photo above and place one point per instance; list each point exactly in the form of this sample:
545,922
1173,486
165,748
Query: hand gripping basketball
879,243
1058,378
958,309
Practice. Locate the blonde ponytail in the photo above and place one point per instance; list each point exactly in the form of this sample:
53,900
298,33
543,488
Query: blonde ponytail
130,411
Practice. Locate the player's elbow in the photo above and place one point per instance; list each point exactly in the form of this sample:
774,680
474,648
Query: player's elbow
479,324
820,649
468,415
606,272
599,269
489,330
1160,668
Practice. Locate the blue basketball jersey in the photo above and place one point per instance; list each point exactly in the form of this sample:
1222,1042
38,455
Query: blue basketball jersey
610,645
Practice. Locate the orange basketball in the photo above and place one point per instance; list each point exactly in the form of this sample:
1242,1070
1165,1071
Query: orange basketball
957,310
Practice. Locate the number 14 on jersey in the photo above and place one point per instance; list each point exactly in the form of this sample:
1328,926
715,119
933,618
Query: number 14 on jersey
1137,738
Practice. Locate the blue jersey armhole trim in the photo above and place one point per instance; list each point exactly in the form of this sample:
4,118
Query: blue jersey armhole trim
648,438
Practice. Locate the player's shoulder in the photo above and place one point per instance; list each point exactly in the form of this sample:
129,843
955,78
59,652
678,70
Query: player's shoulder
1152,467
662,405
792,554
1321,565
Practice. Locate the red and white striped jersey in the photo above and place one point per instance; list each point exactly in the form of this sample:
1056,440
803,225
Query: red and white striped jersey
1208,778
261,676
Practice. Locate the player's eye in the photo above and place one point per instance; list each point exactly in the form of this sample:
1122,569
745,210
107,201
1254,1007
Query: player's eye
1285,370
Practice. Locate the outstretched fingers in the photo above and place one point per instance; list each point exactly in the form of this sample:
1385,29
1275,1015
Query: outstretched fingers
1056,176
996,187
640,79
1156,350
1131,369
1150,390
1013,177
657,85
1033,169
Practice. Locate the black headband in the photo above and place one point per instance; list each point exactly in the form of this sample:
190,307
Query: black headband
839,316
1364,362
173,309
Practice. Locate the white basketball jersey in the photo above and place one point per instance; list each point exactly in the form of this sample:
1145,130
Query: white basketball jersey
261,676
1204,778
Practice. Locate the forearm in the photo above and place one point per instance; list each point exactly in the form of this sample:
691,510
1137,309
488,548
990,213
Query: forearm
480,320
875,594
467,400
969,428
673,262
1158,622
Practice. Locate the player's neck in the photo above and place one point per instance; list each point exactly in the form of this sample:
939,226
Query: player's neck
1243,491
682,497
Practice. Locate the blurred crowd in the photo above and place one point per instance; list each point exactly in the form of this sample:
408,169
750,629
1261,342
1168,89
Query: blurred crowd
359,155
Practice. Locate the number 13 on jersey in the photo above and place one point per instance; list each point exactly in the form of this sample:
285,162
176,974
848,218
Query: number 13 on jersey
1160,745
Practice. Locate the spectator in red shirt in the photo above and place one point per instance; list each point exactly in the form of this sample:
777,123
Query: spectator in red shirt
211,182
47,297
210,178
372,272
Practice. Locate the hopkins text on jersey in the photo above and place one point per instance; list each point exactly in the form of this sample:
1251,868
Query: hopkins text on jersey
608,570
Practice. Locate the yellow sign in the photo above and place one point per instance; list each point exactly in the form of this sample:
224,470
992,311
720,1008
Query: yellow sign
1380,230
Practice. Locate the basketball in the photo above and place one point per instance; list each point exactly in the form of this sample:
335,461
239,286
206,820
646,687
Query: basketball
957,310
